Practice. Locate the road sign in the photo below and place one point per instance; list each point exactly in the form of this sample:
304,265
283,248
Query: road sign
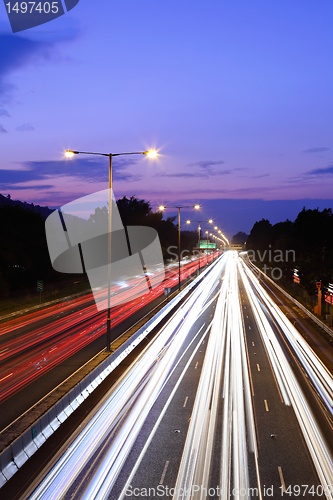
40,286
318,285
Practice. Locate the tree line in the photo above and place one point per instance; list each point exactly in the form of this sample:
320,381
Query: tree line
24,256
305,244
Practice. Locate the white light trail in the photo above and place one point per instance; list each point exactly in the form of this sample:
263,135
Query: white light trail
106,441
225,370
292,391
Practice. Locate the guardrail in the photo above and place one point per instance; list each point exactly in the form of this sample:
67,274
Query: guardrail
314,318
20,450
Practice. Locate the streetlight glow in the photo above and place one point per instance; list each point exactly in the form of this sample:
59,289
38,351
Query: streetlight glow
210,221
188,222
196,207
150,154
161,208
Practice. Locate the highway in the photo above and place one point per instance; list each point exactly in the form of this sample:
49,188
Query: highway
227,401
32,345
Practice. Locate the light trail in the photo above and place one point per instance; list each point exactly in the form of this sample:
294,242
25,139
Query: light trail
89,468
289,386
32,353
225,371
103,446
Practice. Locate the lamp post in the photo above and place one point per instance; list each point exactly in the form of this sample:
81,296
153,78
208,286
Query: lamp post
162,207
69,154
207,232
199,229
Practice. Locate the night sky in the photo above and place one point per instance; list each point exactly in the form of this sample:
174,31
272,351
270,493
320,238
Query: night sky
236,95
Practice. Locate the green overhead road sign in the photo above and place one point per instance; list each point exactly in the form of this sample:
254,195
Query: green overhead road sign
203,244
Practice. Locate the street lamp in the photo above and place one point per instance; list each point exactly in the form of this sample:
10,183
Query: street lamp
162,207
210,221
69,154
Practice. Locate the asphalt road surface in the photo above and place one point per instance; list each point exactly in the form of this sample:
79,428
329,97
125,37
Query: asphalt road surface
227,401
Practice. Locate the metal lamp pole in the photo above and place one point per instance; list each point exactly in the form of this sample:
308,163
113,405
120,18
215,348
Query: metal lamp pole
199,243
162,207
151,154
179,247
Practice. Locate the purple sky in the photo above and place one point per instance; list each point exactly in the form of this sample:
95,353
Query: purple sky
235,94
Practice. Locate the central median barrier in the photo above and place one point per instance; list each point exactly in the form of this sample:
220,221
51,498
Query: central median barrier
36,434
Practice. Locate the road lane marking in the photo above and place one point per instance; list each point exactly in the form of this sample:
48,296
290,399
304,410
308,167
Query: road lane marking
164,472
247,317
258,367
162,413
266,405
185,402
282,480
196,365
6,377
249,327
252,343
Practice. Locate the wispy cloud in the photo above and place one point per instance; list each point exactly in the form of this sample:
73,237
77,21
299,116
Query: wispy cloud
3,111
201,170
3,130
206,163
321,171
89,170
26,127
194,175
315,150
18,51
309,176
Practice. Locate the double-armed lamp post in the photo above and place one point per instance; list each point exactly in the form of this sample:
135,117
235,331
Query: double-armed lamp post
199,229
162,207
150,154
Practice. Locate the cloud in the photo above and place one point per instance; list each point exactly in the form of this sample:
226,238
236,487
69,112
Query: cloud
3,112
89,170
321,171
260,176
18,51
34,187
315,150
206,170
206,164
26,127
3,130
194,175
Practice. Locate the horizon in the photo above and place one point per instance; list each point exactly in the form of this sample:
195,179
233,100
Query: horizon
240,109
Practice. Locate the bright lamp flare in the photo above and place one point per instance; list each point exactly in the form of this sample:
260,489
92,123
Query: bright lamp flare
210,221
161,207
188,222
197,207
69,154
151,154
